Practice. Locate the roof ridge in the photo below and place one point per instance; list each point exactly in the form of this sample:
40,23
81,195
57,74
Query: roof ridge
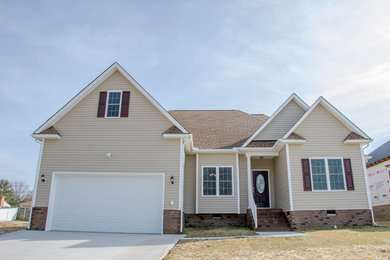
207,110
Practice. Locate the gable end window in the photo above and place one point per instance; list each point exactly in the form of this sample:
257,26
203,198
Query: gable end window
327,174
114,104
217,181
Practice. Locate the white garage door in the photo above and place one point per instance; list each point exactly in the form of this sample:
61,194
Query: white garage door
106,203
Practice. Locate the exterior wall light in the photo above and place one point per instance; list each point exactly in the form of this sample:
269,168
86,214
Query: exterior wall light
172,180
108,155
43,178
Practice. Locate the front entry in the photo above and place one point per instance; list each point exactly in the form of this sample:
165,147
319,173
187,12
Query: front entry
261,188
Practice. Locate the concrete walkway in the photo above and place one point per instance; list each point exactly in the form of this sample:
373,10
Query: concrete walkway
82,245
259,234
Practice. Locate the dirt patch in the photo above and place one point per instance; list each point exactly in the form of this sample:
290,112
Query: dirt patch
350,243
218,231
11,226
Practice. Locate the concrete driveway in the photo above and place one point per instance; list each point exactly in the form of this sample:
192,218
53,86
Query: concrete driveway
82,245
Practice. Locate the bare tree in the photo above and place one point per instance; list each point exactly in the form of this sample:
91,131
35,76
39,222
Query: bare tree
21,191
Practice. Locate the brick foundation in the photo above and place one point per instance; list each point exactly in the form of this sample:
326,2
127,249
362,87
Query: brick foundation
302,219
171,221
249,219
381,212
38,218
215,220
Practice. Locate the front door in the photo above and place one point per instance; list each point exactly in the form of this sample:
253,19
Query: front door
261,188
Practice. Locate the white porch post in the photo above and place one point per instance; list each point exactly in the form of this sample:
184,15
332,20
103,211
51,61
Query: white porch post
248,163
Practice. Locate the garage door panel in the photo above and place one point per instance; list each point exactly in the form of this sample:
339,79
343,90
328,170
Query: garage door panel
103,203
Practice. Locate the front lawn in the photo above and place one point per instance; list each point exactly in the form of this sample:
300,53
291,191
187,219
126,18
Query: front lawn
10,226
218,231
348,243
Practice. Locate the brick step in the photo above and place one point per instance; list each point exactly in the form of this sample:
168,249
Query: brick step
273,224
270,210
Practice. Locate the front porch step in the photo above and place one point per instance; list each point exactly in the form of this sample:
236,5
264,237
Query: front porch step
272,220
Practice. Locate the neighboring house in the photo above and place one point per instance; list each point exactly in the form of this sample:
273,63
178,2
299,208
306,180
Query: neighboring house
24,210
378,168
7,213
3,203
114,160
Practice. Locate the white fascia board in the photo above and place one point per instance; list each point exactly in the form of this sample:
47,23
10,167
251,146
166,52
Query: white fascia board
176,136
46,136
262,153
197,151
358,141
292,141
294,97
96,82
321,100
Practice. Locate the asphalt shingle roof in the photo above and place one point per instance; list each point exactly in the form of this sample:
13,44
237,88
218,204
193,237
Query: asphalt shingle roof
380,153
218,129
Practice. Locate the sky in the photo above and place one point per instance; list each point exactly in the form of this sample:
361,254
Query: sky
246,55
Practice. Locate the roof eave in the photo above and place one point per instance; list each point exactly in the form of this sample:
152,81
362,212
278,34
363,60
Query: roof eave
46,136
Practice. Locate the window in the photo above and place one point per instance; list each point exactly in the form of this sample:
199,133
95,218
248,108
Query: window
327,174
217,181
113,104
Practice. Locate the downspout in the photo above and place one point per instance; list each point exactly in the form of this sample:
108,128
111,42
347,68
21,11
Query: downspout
367,185
181,183
36,178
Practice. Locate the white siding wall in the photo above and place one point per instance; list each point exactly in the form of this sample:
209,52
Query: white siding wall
136,142
324,138
190,184
217,204
282,198
282,122
243,183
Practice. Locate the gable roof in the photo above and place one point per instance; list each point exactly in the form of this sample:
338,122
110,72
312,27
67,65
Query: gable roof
218,129
294,97
95,83
380,153
340,116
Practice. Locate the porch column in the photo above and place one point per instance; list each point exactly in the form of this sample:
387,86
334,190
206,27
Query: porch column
249,167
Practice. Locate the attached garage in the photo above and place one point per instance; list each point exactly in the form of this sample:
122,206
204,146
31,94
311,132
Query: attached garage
106,202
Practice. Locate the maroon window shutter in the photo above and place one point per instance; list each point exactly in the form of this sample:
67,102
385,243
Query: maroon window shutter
348,174
306,175
102,104
125,103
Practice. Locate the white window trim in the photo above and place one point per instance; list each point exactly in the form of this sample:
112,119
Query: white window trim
327,174
217,181
120,104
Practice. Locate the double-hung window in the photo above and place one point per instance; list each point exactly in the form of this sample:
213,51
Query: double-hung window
327,174
113,104
217,181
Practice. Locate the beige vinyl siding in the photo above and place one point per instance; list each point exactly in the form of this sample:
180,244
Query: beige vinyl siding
266,164
136,142
190,184
324,138
282,198
243,183
282,122
217,204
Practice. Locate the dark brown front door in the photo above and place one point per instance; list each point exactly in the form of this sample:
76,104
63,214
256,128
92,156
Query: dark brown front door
261,188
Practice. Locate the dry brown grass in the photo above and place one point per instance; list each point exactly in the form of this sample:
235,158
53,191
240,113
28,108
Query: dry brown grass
351,243
218,231
10,226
